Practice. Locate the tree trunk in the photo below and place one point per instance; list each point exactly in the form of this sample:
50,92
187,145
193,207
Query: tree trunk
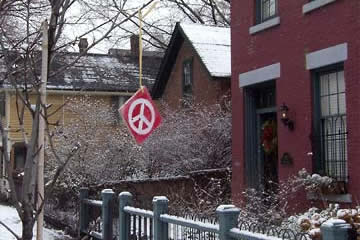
27,225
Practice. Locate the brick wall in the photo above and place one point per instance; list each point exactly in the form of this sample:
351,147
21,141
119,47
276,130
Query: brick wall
205,89
287,43
178,189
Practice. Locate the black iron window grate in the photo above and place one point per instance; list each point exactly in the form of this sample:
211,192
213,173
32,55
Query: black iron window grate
334,147
332,134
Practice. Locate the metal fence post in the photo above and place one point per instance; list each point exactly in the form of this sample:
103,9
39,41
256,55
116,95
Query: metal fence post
337,229
125,199
84,212
228,219
160,206
107,196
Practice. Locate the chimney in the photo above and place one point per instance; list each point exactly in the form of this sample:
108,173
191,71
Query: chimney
134,44
83,44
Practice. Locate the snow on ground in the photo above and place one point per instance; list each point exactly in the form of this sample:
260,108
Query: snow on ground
9,216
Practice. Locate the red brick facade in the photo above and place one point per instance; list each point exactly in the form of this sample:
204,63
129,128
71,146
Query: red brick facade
287,44
206,90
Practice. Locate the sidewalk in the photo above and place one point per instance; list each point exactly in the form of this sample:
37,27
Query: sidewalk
9,216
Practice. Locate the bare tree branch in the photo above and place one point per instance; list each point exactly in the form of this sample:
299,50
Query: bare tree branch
11,231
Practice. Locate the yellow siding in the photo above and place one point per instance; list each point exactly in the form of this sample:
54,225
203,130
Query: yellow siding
15,133
60,116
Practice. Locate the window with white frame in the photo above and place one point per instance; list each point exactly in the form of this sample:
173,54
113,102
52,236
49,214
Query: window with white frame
265,10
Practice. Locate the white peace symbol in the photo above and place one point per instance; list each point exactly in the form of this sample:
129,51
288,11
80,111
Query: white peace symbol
140,117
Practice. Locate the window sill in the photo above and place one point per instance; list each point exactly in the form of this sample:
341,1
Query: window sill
315,5
265,25
339,198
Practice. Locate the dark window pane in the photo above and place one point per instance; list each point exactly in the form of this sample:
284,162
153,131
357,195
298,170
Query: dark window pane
20,156
187,78
268,9
266,98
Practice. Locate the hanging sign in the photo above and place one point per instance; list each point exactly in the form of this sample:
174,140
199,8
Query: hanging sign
140,115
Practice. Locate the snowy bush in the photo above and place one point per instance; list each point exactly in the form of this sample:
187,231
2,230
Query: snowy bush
272,207
208,194
315,182
189,139
311,221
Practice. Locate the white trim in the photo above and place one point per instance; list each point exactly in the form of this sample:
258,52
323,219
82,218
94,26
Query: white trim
327,56
259,75
264,25
308,7
342,198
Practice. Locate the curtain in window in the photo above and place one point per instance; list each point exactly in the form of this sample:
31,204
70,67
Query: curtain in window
333,124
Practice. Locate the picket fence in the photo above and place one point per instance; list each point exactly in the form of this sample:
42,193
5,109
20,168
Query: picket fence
139,224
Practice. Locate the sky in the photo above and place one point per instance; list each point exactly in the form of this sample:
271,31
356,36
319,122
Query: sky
116,40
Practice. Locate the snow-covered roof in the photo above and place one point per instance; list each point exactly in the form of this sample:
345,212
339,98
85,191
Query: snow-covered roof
105,72
97,72
213,46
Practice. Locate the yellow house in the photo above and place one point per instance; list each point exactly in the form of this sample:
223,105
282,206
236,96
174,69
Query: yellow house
111,77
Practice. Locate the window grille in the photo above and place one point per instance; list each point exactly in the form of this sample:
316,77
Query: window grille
334,150
333,129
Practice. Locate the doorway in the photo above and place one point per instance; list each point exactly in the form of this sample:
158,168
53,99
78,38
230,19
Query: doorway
261,150
267,148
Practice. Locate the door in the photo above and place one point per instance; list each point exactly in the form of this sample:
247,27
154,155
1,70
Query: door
267,149
260,153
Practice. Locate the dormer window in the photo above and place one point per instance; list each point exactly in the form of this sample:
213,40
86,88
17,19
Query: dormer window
187,78
265,10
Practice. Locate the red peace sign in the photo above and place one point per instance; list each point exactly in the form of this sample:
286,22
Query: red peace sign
140,115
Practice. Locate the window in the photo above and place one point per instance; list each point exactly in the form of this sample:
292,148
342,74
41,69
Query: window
19,156
265,9
330,124
187,79
117,102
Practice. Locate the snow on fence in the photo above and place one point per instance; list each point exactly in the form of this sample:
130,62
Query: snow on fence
139,224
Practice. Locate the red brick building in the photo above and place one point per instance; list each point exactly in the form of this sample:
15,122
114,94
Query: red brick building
196,66
301,58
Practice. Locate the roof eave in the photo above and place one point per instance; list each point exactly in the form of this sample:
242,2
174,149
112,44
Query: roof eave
167,62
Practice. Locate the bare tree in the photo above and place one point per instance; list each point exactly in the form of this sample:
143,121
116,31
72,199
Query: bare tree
103,142
20,40
158,26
